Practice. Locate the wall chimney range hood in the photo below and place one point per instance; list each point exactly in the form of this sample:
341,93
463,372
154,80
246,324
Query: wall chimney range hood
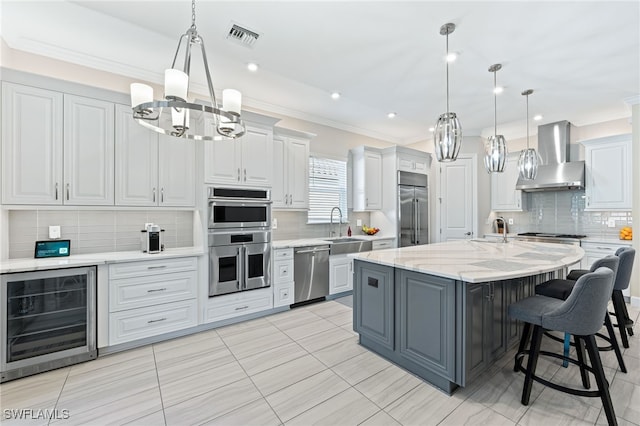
556,173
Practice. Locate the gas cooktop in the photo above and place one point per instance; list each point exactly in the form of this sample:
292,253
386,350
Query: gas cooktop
547,235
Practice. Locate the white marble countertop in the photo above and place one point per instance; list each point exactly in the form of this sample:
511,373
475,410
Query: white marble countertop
303,242
478,260
76,260
607,240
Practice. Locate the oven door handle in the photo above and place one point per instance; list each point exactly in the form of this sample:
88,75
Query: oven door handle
241,267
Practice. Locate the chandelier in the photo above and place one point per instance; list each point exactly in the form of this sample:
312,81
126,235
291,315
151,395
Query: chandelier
529,159
496,146
148,112
447,135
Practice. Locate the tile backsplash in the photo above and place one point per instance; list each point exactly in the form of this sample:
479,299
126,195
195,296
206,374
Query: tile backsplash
563,212
96,231
293,225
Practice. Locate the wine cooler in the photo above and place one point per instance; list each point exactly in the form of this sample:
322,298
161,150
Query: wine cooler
48,320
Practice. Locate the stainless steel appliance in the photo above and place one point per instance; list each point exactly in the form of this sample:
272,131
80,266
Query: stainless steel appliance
151,240
310,273
239,240
545,237
239,208
48,320
413,209
239,260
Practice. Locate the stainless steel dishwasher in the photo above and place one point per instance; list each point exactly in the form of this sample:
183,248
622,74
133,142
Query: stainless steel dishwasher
311,272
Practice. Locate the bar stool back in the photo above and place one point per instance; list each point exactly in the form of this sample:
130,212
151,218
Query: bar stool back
623,277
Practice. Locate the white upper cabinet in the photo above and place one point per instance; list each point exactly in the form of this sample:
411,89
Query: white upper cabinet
88,151
367,179
136,161
608,173
56,148
290,188
176,171
245,161
152,170
32,135
504,195
414,163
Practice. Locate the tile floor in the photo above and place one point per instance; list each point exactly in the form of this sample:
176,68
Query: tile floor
300,367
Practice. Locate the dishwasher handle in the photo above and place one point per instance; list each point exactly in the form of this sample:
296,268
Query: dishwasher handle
317,250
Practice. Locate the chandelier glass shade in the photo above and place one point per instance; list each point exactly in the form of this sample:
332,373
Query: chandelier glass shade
149,112
496,146
529,159
447,136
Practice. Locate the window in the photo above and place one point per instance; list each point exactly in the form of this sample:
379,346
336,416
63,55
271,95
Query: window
327,189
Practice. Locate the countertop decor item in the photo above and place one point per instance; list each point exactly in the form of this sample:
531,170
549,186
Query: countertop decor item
447,136
626,233
148,112
496,145
529,159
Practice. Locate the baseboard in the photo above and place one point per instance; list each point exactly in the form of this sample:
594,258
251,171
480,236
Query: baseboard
635,301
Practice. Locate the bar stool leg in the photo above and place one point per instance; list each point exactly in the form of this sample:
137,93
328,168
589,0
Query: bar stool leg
603,386
614,342
567,346
534,351
584,374
620,310
526,334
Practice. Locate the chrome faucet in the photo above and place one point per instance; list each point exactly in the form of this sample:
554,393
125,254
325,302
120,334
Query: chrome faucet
331,231
504,228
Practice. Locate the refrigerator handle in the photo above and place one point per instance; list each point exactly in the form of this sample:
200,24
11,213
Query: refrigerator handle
417,230
413,221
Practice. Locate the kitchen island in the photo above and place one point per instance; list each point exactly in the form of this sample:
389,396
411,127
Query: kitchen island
440,310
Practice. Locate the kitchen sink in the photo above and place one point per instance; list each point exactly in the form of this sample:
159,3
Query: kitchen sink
348,245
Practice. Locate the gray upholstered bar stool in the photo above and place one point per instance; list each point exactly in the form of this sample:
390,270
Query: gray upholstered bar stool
623,278
560,289
579,315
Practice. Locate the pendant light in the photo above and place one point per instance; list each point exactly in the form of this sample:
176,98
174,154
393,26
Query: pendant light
148,112
496,146
447,136
529,159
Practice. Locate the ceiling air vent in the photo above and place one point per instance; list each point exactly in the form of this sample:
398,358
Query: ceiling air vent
242,35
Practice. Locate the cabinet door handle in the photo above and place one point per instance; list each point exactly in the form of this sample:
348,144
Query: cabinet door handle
156,320
239,308
56,191
154,194
157,267
162,195
238,174
245,175
67,192
153,290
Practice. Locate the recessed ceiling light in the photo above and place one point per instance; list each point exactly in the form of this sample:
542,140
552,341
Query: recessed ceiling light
452,56
252,67
537,117
498,90
335,95
391,115
432,129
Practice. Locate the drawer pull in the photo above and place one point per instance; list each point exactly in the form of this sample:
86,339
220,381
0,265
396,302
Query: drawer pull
157,320
605,248
157,267
239,308
372,282
156,289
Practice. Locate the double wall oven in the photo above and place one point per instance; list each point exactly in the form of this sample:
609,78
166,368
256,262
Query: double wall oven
239,222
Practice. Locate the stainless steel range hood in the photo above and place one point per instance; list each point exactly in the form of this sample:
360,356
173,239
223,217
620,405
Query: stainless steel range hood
556,173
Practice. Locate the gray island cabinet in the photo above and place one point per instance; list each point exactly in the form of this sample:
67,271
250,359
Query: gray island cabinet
446,329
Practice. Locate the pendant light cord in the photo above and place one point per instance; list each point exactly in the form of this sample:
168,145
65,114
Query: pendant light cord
495,106
193,14
447,61
527,121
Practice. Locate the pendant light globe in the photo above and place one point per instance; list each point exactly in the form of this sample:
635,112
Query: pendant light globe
529,159
447,136
495,147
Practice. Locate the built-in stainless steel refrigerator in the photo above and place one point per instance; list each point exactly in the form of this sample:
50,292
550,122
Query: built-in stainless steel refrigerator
413,209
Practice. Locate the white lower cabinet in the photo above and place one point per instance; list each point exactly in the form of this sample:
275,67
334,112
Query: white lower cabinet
148,298
242,303
383,244
340,273
283,277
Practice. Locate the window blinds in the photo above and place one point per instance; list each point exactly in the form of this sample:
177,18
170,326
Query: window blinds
327,189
